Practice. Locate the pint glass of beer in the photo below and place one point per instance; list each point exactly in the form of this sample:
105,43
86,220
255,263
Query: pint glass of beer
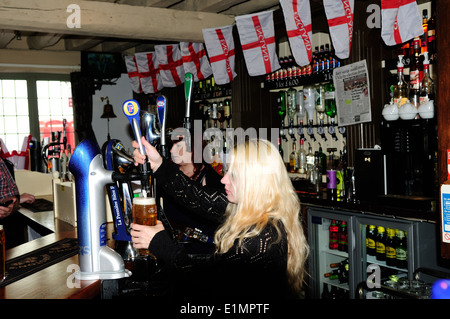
2,254
144,213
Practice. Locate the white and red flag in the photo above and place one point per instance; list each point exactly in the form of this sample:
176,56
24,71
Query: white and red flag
400,21
297,17
148,72
133,74
340,22
219,43
257,35
170,64
195,60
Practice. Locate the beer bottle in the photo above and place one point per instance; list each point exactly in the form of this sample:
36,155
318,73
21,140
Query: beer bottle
401,250
390,247
381,244
371,240
342,240
325,292
333,235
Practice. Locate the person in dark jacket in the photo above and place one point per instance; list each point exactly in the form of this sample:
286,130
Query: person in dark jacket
261,248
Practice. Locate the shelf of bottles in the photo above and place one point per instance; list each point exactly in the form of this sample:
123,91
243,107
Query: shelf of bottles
411,87
334,262
308,116
215,108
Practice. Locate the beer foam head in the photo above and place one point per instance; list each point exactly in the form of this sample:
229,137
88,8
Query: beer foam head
144,201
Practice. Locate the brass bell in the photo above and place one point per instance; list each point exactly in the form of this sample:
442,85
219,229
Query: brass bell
108,111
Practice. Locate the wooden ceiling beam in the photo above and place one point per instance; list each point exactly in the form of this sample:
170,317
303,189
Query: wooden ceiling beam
104,19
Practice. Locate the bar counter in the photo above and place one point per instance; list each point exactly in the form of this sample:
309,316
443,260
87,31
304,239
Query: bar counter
51,282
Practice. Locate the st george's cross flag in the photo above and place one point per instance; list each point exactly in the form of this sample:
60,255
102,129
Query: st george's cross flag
400,21
133,74
149,72
297,17
340,22
195,60
170,64
219,43
257,35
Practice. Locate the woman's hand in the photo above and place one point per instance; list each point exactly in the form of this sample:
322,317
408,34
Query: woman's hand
141,235
154,158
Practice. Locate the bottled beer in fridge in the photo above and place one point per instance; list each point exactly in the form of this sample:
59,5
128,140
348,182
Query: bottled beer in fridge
333,244
371,237
380,244
390,247
402,250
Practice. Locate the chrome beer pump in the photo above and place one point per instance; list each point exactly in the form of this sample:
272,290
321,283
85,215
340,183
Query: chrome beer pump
96,259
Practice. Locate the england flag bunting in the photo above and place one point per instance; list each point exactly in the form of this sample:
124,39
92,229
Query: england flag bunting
297,17
149,72
257,35
400,21
170,64
220,46
195,60
133,74
340,22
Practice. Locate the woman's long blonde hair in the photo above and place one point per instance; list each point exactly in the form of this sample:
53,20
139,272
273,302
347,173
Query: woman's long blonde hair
265,195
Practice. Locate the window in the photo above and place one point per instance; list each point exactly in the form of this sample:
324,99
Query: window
14,113
54,107
36,105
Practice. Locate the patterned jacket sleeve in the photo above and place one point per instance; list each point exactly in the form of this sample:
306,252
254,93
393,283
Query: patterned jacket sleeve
210,202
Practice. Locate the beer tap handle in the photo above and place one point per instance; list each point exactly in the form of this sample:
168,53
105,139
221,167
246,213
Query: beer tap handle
161,104
188,79
131,110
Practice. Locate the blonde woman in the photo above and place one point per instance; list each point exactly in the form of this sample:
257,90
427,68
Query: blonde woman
260,247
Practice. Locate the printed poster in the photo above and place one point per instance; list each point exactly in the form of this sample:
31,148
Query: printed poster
352,91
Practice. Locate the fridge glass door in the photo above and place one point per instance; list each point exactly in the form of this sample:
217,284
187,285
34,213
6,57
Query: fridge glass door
330,262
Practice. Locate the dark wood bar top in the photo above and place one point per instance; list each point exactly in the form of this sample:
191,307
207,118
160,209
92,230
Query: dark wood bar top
56,281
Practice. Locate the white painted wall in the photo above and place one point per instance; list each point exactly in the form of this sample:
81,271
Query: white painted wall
119,126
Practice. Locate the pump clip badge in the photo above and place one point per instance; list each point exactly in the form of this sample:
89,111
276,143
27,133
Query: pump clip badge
130,108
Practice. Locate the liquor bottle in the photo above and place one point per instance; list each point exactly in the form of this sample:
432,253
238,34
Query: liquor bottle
316,175
291,104
227,111
321,59
310,164
426,85
343,237
333,236
415,74
423,37
390,247
280,149
401,88
315,61
380,244
340,179
328,59
302,158
293,159
330,101
331,178
281,104
323,160
370,239
220,114
401,250
320,102
431,37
